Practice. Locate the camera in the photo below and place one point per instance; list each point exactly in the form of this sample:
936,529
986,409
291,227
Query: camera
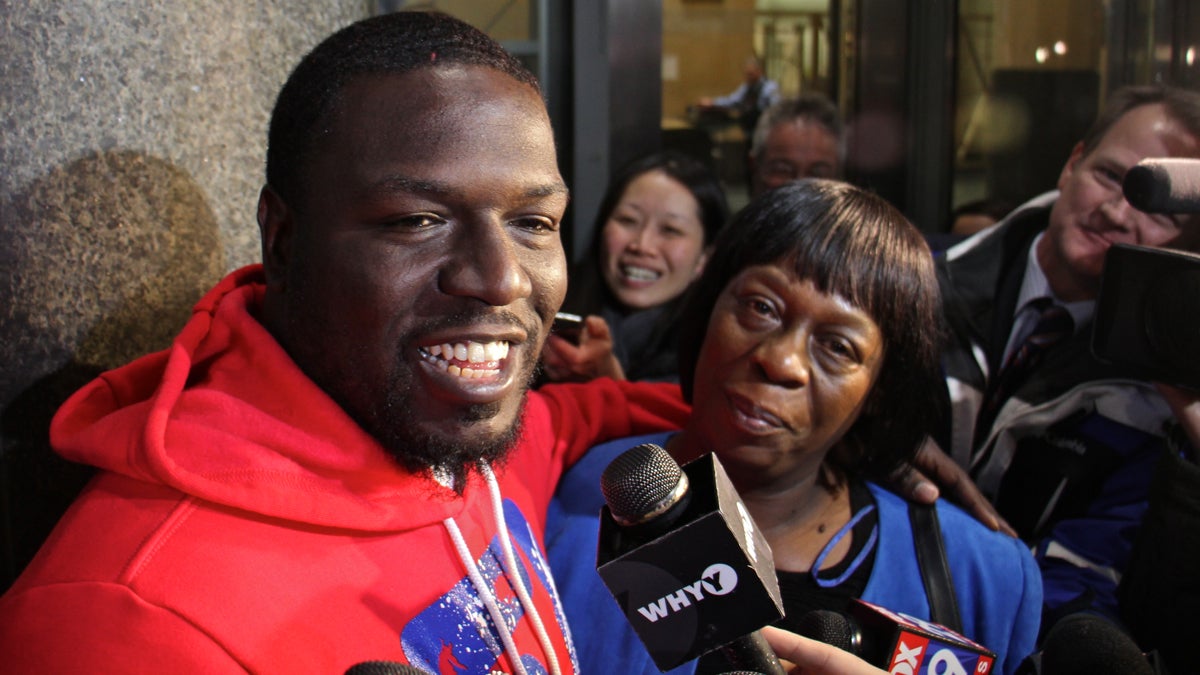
1147,314
1148,309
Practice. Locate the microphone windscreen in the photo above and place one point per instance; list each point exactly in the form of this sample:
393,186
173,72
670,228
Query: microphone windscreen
642,483
1170,185
1088,643
832,628
384,668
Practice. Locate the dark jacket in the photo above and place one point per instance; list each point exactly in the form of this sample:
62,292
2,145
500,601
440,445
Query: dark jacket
1160,591
1069,457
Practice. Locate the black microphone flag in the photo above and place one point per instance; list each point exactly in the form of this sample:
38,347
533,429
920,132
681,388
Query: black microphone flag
705,580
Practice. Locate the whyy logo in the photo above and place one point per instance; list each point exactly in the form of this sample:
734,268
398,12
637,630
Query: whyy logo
717,579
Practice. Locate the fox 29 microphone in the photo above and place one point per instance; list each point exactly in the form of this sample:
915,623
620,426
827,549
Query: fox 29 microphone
897,643
685,562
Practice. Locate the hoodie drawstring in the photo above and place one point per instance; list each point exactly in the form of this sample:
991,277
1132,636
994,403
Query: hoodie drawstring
514,572
509,564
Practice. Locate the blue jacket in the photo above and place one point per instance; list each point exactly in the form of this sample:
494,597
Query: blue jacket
996,582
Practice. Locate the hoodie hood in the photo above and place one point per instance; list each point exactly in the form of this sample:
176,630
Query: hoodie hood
226,416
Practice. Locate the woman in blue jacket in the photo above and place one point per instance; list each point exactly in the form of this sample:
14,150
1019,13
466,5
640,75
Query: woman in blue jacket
809,354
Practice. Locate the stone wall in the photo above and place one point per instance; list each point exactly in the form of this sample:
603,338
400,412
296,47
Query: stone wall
132,143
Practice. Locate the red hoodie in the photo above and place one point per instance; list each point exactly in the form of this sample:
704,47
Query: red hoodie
242,521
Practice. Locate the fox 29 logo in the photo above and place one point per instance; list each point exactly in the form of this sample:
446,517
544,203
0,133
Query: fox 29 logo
918,655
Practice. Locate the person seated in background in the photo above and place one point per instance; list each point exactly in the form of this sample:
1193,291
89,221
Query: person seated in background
796,138
807,357
968,219
978,215
746,104
653,234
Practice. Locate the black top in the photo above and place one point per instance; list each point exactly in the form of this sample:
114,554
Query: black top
645,342
801,591
833,588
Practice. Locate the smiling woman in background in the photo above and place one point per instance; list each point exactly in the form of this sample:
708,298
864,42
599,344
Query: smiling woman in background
654,232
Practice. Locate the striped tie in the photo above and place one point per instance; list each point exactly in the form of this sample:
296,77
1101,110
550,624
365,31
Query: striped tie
1054,324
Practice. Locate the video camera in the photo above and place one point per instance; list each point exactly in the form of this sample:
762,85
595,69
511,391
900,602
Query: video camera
1148,309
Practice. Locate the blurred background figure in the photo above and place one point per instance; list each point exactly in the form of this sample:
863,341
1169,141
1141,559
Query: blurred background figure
652,238
967,219
978,215
801,137
754,95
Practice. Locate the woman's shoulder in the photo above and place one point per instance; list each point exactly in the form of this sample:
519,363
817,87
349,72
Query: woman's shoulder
579,487
960,531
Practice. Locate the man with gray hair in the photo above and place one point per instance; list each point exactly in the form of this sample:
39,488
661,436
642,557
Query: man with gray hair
801,137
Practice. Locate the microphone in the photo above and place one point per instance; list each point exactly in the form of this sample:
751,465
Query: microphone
384,668
680,554
896,642
1169,185
1089,643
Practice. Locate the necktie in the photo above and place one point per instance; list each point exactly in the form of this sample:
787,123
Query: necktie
1054,324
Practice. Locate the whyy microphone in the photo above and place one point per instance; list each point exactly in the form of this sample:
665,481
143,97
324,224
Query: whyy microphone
684,560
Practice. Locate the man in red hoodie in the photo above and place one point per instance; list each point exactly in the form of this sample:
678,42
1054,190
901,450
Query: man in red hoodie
338,459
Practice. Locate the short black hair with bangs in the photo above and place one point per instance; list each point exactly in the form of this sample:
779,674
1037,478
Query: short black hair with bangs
854,244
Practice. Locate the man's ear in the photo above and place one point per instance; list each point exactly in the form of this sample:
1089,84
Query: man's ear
276,227
1069,167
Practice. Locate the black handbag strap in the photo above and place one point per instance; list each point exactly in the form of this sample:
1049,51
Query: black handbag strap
935,569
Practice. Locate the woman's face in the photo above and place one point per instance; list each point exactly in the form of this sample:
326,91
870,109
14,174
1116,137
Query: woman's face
653,242
783,374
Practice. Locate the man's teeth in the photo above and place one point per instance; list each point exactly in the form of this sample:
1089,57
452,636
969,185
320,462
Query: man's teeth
484,355
472,352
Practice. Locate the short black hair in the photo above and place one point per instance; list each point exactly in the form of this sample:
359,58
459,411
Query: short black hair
852,243
397,42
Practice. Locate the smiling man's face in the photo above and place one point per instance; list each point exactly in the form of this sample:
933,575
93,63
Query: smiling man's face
1091,213
419,273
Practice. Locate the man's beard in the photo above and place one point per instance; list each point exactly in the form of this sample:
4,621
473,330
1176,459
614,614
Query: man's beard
390,417
398,432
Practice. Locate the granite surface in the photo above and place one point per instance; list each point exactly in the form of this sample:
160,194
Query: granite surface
132,141
189,83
